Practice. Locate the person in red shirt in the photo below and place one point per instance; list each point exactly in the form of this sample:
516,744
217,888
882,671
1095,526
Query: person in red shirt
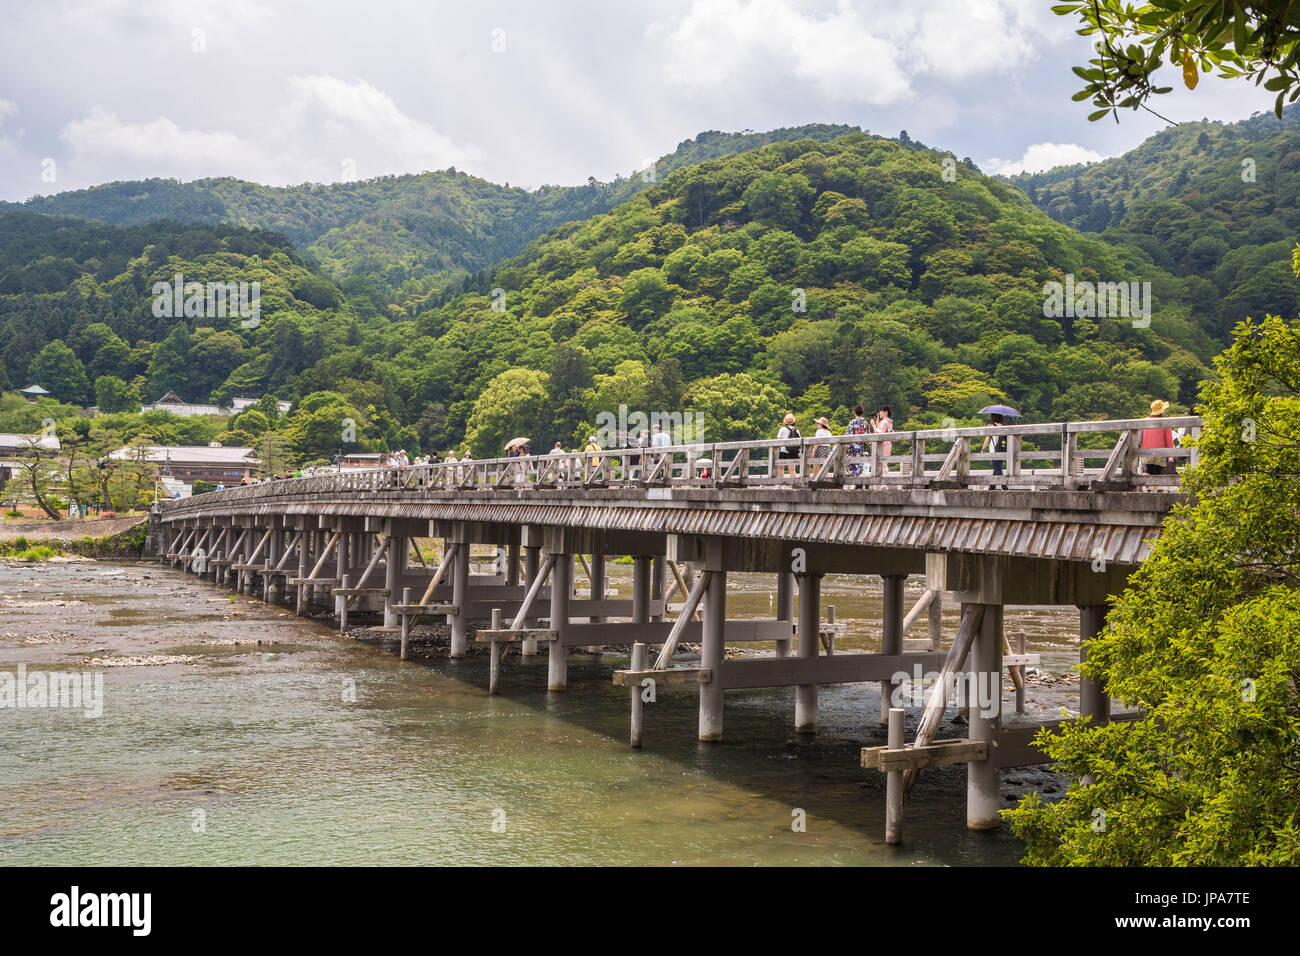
1154,437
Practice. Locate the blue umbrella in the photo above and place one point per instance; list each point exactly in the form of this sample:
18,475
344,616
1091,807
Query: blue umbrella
1004,410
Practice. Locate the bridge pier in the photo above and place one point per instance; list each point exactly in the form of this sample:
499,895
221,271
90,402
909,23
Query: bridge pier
891,640
784,607
805,695
557,662
658,579
460,596
712,652
531,540
597,594
1094,698
399,546
983,778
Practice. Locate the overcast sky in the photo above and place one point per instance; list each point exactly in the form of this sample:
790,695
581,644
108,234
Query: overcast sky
542,91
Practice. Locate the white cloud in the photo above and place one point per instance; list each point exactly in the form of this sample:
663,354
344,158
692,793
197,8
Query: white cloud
324,123
722,46
1041,156
954,39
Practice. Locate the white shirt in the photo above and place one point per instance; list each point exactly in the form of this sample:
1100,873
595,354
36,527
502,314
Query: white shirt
660,440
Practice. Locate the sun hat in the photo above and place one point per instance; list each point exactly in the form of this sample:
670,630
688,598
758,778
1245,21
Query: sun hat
824,422
789,418
1159,407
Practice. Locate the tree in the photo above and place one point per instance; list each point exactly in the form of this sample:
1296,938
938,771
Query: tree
1206,643
1241,39
646,297
114,395
39,471
59,369
737,407
513,404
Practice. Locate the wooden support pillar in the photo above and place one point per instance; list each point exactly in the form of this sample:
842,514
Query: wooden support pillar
712,652
341,604
557,663
460,599
300,605
894,790
495,651
532,561
398,547
805,695
597,594
638,663
512,565
641,588
891,639
406,623
1094,700
984,702
936,580
784,607
658,580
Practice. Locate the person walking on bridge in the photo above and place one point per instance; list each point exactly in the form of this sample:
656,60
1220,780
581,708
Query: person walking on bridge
1156,437
857,426
884,423
788,455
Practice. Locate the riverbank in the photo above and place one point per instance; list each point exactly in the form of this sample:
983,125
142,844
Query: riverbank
115,539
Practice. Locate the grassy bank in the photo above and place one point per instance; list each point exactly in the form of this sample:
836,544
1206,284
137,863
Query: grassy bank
122,545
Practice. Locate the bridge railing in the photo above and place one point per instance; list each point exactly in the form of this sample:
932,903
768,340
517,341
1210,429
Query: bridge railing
1064,454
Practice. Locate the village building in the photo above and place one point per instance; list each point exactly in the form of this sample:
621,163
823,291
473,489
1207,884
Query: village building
216,463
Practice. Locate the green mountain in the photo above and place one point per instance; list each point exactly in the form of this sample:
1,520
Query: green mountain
810,275
1217,203
807,275
395,236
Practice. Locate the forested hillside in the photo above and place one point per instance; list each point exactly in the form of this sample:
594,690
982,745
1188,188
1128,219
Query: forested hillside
807,275
1217,203
394,237
915,291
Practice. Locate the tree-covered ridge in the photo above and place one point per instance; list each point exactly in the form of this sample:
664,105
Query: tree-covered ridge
1217,203
916,291
393,236
77,304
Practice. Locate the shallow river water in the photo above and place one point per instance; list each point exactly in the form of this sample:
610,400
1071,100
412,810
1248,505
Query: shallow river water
318,749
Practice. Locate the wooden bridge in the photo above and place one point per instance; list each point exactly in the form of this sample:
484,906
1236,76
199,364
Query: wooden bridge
1059,514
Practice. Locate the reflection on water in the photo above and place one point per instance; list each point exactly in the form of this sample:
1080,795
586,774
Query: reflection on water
253,754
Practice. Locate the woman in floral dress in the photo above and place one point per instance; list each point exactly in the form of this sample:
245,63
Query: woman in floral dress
857,426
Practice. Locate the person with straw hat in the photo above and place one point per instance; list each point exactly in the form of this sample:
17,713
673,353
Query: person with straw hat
1153,437
788,454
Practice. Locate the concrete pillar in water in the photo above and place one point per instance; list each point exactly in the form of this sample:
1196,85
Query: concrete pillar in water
891,640
398,546
460,598
597,593
784,607
805,695
557,662
658,581
512,565
406,623
638,663
984,702
712,651
532,562
1094,700
641,588
341,604
302,572
894,782
495,649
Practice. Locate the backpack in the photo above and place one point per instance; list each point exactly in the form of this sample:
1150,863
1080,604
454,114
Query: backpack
794,433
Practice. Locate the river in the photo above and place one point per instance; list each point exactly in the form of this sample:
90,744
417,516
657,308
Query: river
237,733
